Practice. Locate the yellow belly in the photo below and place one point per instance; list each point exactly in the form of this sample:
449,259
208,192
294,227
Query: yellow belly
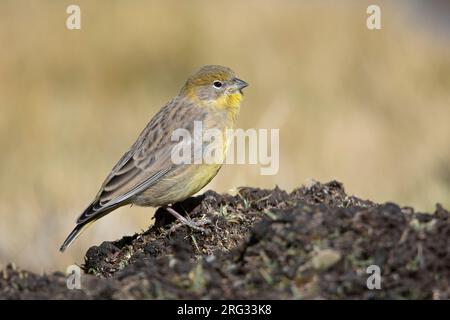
177,186
184,181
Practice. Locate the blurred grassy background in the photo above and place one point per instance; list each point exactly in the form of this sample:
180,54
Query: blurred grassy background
369,108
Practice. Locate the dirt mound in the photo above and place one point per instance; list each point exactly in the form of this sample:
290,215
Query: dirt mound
315,242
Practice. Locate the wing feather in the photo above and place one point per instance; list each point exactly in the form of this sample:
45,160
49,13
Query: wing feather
147,161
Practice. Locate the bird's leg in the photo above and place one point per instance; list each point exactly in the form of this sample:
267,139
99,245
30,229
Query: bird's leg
183,220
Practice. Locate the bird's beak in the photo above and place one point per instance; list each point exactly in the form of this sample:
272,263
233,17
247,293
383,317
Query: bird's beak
239,84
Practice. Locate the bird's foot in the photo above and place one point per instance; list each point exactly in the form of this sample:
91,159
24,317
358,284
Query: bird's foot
186,221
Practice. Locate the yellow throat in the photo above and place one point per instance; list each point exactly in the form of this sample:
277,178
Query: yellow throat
231,103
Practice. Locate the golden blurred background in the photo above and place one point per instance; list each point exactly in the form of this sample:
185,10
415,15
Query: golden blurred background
369,108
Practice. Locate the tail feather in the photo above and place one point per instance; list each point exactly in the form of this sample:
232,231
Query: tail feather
91,214
75,233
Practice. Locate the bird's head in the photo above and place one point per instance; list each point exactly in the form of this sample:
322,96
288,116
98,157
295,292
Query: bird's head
215,86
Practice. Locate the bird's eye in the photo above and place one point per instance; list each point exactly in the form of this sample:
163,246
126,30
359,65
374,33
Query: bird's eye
217,84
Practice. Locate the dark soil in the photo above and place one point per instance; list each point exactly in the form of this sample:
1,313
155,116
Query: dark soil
315,242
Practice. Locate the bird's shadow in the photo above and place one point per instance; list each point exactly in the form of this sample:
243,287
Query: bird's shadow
185,207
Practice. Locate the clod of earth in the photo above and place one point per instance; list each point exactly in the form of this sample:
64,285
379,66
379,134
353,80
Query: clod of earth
315,242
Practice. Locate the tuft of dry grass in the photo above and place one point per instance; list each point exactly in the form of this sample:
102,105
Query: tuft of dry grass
370,108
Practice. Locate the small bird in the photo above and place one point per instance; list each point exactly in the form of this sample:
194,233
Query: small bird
146,174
